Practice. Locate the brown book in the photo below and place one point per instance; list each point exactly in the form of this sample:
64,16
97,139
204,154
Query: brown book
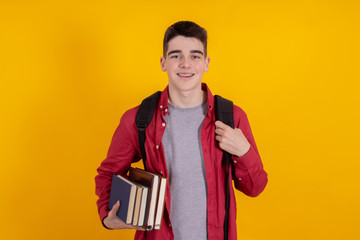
152,181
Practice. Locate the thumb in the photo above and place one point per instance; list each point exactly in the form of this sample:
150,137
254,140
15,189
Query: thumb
117,205
115,208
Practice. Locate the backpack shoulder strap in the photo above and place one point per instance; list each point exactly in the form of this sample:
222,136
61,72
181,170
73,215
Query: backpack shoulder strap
224,110
143,118
224,113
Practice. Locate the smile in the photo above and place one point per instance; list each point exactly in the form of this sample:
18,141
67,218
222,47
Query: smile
185,74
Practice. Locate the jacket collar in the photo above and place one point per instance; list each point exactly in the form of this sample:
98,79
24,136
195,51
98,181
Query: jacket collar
164,99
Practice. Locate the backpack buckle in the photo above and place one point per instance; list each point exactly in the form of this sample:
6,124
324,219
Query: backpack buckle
141,124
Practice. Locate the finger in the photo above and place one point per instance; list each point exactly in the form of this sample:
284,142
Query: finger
116,205
139,228
221,125
223,146
219,131
222,141
115,208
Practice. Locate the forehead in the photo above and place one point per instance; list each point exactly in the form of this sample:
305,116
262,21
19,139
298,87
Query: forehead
185,44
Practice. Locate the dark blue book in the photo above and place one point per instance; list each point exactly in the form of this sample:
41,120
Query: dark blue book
125,191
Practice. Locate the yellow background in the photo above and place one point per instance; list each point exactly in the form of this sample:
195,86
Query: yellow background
69,70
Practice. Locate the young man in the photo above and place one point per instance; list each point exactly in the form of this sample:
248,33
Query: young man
185,144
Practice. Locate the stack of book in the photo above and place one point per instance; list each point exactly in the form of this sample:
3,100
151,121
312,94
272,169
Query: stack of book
141,196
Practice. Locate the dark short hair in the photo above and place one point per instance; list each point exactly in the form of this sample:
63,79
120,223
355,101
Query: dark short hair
186,29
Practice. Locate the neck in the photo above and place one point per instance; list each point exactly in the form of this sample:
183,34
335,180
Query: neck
188,99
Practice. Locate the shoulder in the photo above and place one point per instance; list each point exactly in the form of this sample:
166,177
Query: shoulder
240,118
130,114
128,118
127,122
238,112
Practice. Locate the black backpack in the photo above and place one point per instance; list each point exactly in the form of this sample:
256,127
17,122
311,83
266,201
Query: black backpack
223,112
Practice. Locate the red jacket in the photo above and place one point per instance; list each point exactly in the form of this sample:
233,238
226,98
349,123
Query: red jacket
250,177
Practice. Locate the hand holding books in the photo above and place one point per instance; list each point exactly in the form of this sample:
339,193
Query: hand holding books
142,197
114,222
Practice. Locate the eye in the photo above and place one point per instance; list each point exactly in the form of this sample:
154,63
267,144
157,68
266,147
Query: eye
175,56
196,57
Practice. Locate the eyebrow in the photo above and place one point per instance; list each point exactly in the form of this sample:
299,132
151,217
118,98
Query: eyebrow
192,51
197,51
174,51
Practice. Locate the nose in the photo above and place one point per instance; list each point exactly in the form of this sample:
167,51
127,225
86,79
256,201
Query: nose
185,62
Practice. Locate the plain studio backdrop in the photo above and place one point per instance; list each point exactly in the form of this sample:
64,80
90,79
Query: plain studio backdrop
70,69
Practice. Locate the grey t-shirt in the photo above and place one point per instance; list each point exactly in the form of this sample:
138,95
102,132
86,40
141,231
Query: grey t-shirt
186,169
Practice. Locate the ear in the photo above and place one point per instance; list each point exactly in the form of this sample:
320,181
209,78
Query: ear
162,62
207,61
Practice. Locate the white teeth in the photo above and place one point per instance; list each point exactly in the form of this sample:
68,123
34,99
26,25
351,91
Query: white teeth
185,75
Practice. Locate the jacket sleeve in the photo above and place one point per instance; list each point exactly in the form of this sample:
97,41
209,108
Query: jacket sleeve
249,175
122,152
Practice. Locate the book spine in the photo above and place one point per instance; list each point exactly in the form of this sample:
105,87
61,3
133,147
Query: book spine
161,203
143,207
131,205
153,203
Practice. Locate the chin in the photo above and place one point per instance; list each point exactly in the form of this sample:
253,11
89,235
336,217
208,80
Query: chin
187,87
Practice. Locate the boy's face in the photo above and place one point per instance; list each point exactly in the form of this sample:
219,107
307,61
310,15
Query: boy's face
185,63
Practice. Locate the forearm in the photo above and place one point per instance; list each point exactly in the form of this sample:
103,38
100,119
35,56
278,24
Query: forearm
111,165
122,152
250,176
